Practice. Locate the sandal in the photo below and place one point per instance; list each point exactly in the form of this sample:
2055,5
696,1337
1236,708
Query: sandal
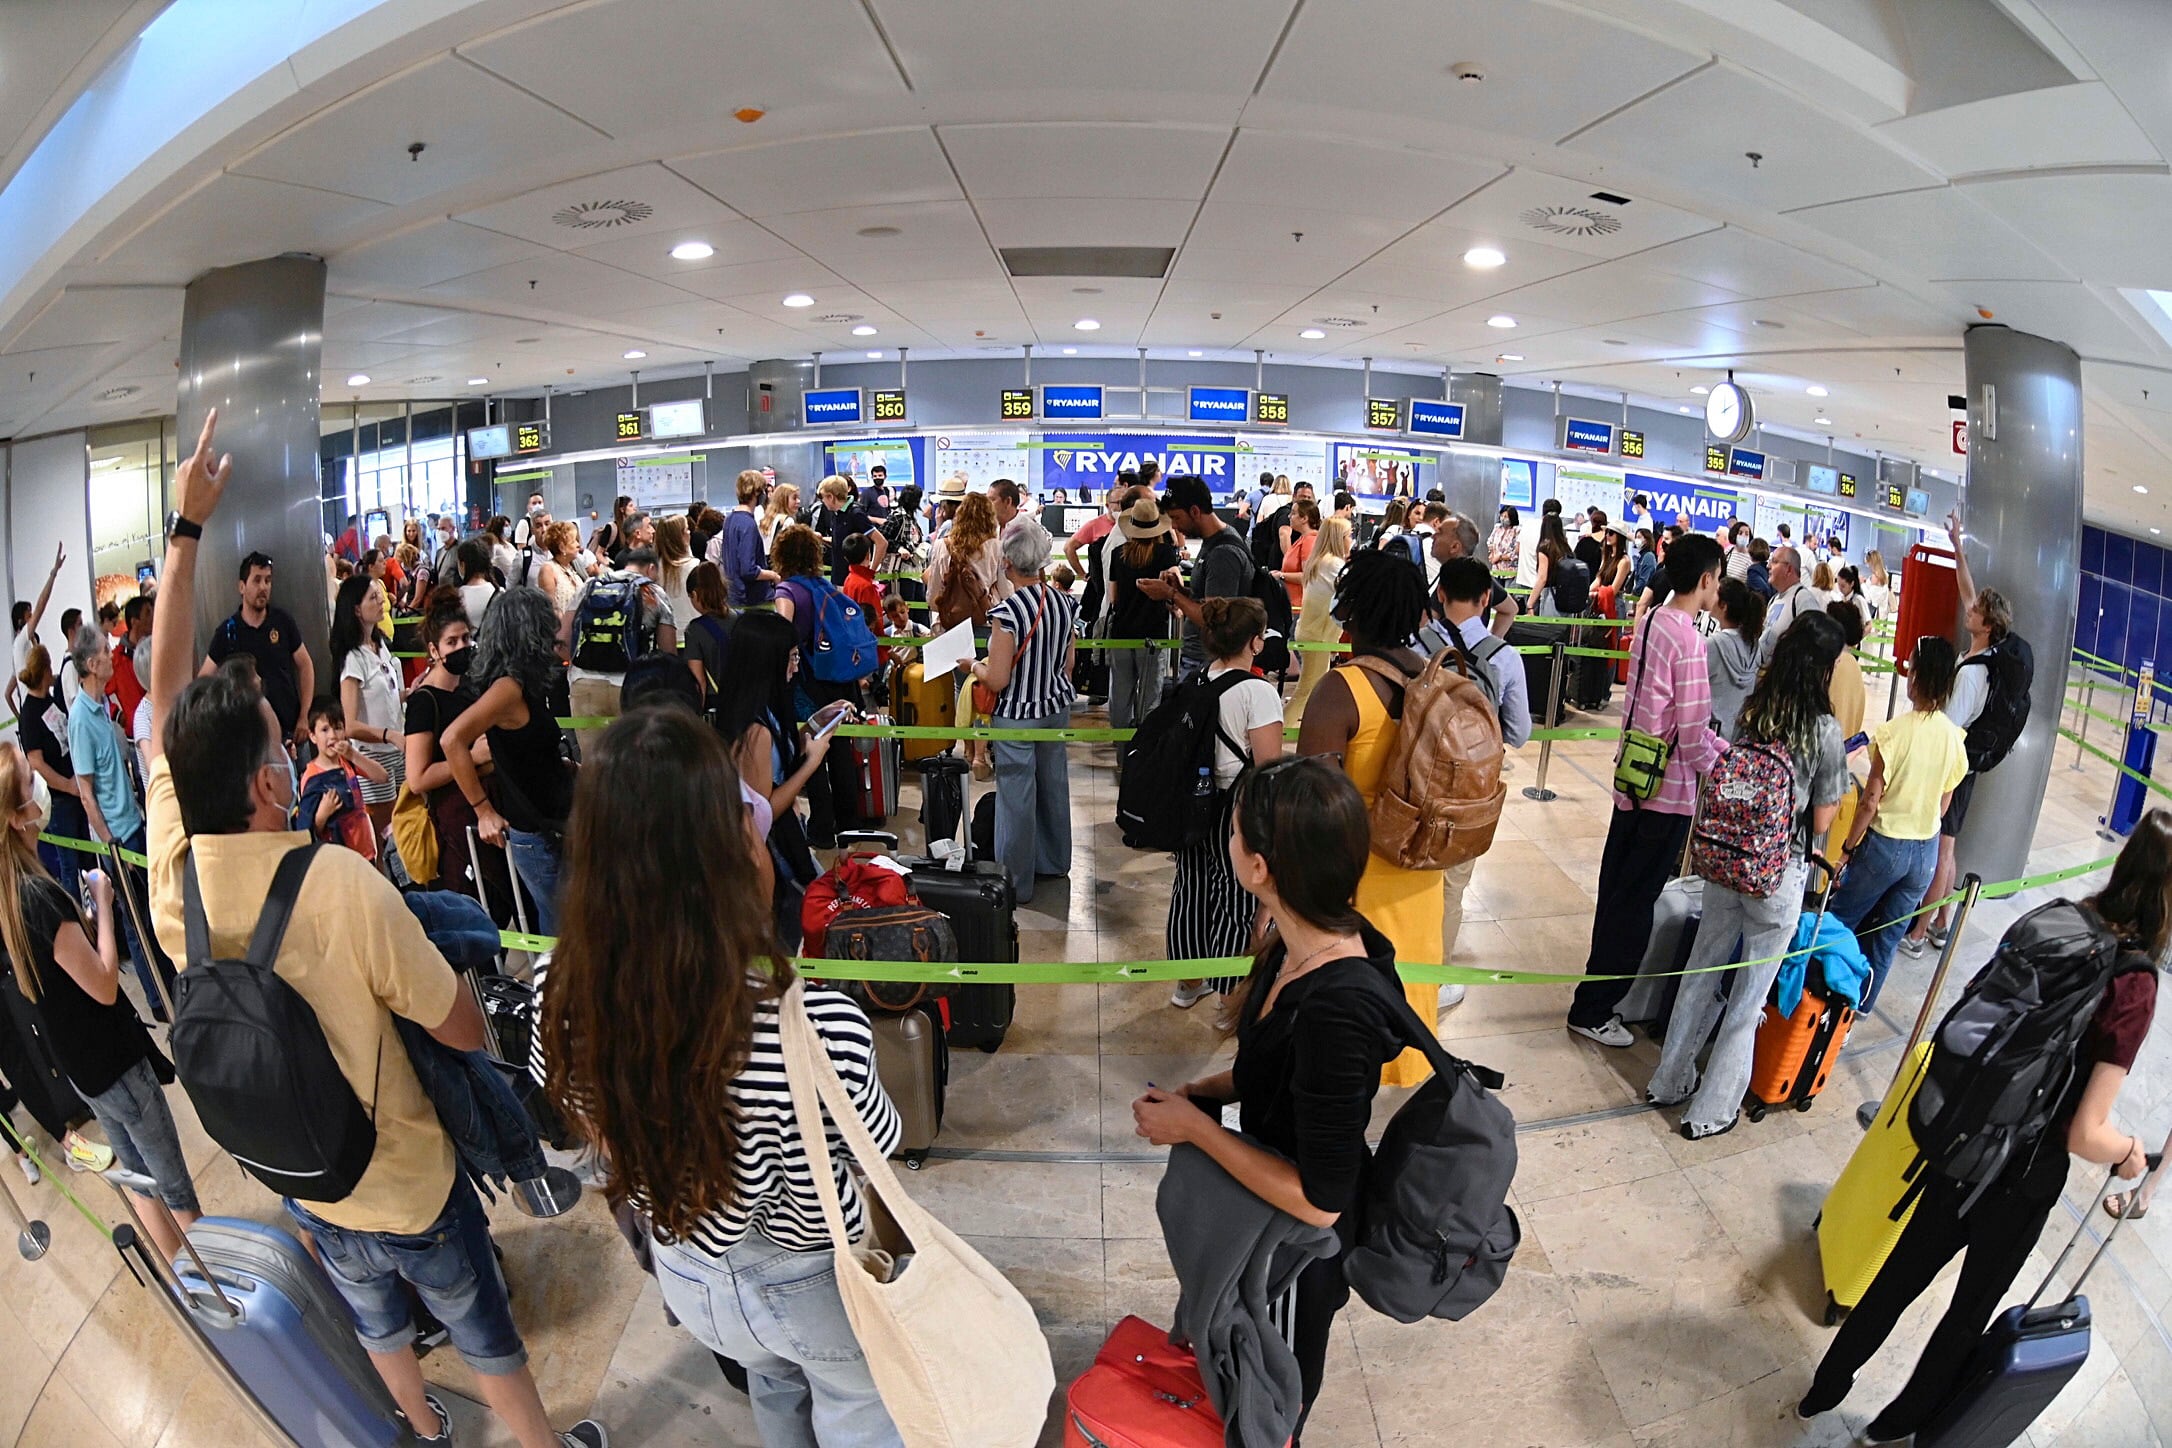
2115,1205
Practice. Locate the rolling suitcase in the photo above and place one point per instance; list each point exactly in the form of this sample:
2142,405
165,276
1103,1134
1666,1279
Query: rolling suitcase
2024,1359
1795,1053
1590,685
913,1061
1871,1201
942,797
1538,669
1650,1002
875,767
983,909
1140,1393
293,1341
920,701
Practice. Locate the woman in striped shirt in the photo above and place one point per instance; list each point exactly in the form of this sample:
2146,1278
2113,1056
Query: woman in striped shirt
1028,669
665,1054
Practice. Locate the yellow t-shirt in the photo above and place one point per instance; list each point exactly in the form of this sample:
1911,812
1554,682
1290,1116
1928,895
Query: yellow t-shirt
357,955
1924,757
1846,695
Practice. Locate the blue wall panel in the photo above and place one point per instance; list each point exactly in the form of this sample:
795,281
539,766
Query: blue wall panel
2119,558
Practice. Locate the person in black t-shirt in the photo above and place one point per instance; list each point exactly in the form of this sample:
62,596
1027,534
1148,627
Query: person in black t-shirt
43,728
271,637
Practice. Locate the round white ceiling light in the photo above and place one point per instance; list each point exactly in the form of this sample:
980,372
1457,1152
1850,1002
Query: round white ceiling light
1312,334
692,251
799,299
1816,391
1501,320
863,330
358,379
1484,258
1699,390
1085,324
478,382
1195,352
874,356
1822,421
633,354
1070,351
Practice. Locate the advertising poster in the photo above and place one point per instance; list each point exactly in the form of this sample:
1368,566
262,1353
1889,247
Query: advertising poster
1582,488
1698,505
1378,470
899,456
982,457
1090,461
1519,483
1301,460
657,482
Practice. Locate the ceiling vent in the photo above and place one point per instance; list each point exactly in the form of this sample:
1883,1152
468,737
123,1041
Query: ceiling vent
1149,263
116,394
602,215
418,381
837,319
1571,221
1336,322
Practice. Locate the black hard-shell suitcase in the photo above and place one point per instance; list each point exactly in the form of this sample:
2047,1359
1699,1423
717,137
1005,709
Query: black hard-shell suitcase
1538,669
983,908
2024,1360
1590,685
983,840
913,1062
942,797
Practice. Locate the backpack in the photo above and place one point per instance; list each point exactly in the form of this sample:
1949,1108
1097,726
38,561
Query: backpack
1570,584
844,646
1436,1229
1166,798
250,1052
2012,666
1264,542
964,597
2002,1059
1746,820
1414,546
527,567
607,625
1274,652
1438,636
1440,793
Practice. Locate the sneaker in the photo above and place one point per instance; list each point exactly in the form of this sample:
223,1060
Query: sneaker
87,1155
1613,1034
588,1433
1939,935
1877,1431
1451,996
31,1173
444,1422
1189,993
1913,944
1693,1132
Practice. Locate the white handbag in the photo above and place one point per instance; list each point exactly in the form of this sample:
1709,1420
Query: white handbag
954,1348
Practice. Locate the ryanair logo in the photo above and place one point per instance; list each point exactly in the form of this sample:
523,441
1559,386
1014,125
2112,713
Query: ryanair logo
1062,456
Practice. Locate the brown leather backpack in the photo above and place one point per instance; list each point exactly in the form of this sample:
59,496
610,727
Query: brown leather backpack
964,596
1440,793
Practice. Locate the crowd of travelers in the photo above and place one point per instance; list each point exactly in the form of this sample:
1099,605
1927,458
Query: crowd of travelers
630,737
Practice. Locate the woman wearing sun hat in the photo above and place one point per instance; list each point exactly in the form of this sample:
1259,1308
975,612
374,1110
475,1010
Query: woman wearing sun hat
1147,552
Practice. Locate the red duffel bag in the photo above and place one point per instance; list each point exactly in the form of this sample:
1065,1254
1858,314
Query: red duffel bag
1140,1393
855,882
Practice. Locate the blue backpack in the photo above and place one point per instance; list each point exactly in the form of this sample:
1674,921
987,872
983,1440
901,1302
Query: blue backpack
844,646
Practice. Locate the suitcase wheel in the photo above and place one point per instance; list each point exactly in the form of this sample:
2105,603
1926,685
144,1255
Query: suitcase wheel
1833,1311
1805,1103
989,1048
1756,1111
914,1160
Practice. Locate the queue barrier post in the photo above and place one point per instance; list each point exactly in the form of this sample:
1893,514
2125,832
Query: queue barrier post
2089,698
1971,888
1537,788
32,1238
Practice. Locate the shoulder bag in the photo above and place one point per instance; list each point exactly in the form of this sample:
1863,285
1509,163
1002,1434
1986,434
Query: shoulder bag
984,698
955,1350
1641,762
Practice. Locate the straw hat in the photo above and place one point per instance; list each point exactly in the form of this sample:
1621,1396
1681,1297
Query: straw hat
1142,520
951,487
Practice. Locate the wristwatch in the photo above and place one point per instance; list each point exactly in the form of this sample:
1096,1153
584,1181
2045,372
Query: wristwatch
180,527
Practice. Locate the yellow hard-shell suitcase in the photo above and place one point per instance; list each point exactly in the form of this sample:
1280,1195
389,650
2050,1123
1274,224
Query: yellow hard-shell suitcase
916,699
1859,1225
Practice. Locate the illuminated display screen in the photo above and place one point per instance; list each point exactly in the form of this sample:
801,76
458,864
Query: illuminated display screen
1715,458
1632,444
1384,414
887,404
531,437
1271,409
629,427
1017,403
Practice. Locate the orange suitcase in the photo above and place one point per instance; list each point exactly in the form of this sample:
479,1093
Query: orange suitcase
1795,1054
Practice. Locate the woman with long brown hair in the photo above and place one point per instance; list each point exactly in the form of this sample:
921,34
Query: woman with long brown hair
965,576
667,1057
674,561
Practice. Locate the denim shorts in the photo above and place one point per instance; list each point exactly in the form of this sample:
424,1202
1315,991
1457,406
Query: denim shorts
140,1129
450,1266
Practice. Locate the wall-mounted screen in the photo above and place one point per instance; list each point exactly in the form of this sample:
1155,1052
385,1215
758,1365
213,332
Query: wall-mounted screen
678,419
495,441
1821,479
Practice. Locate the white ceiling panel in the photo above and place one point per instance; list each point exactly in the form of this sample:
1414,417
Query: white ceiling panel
444,328
1532,206
1548,71
473,126
732,330
635,66
1611,291
1086,221
565,284
101,314
1169,163
833,237
633,201
1332,175
770,281
1937,234
872,168
234,219
1699,132
736,242
1111,47
1750,265
2110,229
2094,324
904,272
2065,125
428,255
41,44
382,321
1882,312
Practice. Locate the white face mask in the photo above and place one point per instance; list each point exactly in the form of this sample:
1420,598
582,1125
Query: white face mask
41,797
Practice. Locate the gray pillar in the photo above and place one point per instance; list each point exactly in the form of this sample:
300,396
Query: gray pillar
1472,482
2023,509
252,344
773,393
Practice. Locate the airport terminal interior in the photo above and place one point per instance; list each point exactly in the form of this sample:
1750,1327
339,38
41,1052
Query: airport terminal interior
1863,305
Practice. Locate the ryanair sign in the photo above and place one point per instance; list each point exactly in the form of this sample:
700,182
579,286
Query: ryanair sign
1092,460
1704,506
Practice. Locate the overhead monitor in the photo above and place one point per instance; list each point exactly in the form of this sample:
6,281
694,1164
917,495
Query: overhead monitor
1432,418
1218,404
1582,434
1072,402
1819,478
832,407
494,441
678,419
531,437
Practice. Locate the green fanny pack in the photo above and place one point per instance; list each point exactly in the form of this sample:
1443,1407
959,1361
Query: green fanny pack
1642,764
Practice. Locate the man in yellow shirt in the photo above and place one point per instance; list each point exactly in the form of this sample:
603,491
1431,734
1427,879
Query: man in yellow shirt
358,958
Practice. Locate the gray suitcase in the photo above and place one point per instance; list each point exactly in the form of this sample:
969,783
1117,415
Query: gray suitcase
1674,930
913,1062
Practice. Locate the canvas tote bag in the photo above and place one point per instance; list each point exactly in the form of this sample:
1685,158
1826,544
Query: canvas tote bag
955,1350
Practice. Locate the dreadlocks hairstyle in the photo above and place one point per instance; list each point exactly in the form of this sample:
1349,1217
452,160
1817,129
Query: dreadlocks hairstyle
1380,599
1795,691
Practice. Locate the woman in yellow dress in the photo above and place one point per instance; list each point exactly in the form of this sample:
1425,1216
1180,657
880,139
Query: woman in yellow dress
1316,621
1354,715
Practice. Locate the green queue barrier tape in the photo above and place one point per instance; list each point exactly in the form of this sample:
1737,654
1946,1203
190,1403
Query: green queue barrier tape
2115,762
92,847
1584,653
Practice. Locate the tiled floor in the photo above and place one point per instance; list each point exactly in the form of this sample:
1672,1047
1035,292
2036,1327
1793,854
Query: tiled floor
1667,1293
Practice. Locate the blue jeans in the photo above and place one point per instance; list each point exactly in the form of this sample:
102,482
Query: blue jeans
140,1129
461,929
535,860
777,1313
1033,803
1883,883
450,1266
69,822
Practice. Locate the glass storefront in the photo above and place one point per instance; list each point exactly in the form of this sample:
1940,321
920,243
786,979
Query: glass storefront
387,462
131,475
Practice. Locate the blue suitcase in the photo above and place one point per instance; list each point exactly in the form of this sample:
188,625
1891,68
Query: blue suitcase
293,1343
2027,1356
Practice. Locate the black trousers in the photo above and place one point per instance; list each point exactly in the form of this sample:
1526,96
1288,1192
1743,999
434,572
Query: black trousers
1322,1290
1643,850
1995,1238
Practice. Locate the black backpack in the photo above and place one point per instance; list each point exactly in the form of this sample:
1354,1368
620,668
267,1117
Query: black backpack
607,626
1167,799
2003,1057
1437,1230
250,1053
1570,583
1265,540
2012,666
1274,653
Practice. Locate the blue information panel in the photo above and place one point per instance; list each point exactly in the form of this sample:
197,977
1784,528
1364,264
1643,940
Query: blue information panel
1091,460
1583,435
831,407
1519,482
1436,419
1702,505
1224,405
1071,401
1742,463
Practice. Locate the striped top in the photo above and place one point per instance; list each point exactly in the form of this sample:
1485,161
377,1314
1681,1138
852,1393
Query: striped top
1669,694
1042,619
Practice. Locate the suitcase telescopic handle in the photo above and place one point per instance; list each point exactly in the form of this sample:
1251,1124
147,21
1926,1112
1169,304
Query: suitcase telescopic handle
2151,1163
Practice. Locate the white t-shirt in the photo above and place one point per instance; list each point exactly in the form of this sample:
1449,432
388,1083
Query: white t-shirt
474,598
1971,689
378,673
23,640
1246,707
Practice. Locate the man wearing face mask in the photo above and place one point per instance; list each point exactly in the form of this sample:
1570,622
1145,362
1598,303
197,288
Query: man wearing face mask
530,523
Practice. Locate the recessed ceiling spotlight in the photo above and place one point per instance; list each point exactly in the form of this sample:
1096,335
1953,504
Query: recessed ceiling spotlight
1501,320
692,251
1817,391
1822,421
1197,353
1483,258
1312,334
359,379
1699,390
799,299
1508,357
633,354
2138,487
874,356
2156,530
478,382
1690,410
1085,324
863,330
1070,351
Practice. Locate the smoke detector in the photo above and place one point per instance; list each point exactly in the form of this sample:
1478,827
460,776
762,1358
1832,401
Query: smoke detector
1571,221
602,215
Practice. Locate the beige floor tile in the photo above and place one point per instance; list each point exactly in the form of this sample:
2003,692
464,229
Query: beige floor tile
1550,1073
1023,1102
208,1416
1756,1415
1012,1198
1141,1283
28,1366
1061,1277
52,1296
663,1388
63,1419
1127,1198
1518,879
1766,1201
2114,1413
1124,1077
1561,1161
1061,1020
1137,1019
129,1362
